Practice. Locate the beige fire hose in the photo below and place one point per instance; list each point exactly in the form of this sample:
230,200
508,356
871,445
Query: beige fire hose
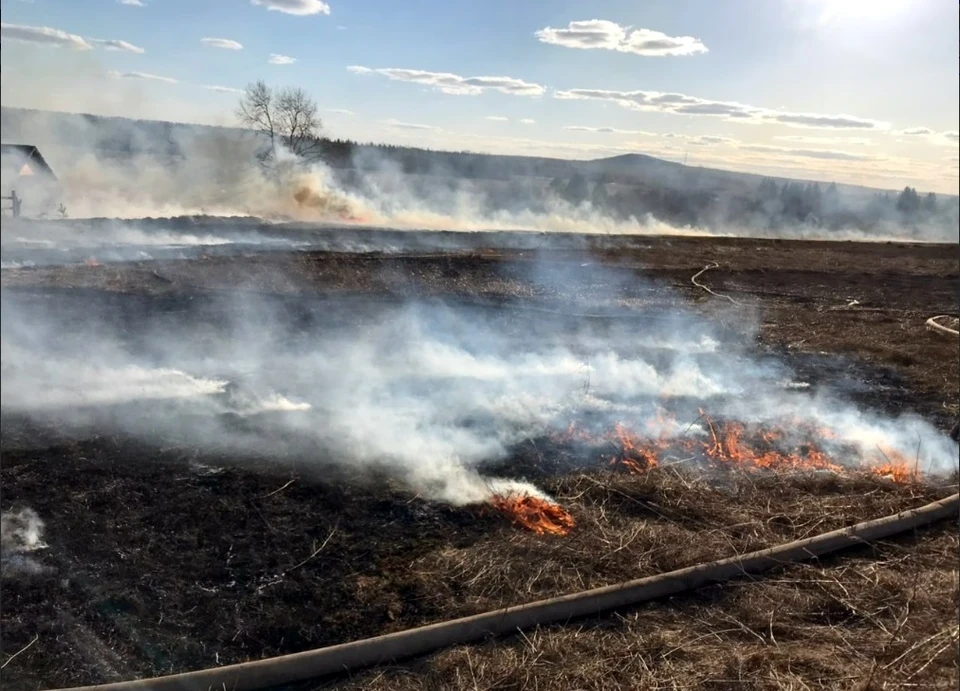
934,325
288,669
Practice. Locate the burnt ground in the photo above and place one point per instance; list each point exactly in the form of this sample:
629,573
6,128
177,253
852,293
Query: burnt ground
162,559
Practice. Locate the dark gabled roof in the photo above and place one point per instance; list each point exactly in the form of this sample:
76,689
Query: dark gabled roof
27,153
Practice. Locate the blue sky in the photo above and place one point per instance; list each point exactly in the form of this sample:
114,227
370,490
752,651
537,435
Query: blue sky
861,91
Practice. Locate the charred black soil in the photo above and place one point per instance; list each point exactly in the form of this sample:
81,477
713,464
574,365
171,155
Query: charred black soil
162,558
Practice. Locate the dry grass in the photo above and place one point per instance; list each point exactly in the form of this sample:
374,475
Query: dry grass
883,617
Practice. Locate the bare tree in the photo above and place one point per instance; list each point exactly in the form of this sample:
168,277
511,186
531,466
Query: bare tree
287,117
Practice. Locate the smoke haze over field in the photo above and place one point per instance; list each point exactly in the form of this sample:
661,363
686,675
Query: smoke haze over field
127,169
427,393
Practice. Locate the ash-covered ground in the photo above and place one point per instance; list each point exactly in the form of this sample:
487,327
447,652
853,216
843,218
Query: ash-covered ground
221,453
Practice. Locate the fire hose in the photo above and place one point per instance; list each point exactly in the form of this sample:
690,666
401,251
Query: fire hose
296,667
934,325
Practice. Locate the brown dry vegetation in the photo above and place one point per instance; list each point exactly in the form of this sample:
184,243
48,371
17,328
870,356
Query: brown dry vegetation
881,617
159,566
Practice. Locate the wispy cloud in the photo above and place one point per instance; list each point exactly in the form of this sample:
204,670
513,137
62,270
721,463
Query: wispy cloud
711,139
497,118
225,43
448,83
601,34
914,131
410,125
42,35
56,38
116,45
132,3
829,154
339,111
815,120
682,104
607,130
223,89
142,75
951,136
807,139
300,8
277,59
527,121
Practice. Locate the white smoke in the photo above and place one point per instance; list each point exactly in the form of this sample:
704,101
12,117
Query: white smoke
429,393
21,534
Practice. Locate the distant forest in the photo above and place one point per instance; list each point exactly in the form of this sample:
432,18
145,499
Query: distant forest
622,187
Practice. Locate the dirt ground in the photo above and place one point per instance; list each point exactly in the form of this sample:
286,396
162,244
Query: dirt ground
163,559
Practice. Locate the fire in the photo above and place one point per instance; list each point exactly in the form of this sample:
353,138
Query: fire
733,445
91,262
895,466
533,513
635,455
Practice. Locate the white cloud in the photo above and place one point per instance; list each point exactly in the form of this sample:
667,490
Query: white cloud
951,136
497,118
301,8
47,36
606,35
914,131
223,89
410,125
711,139
448,83
42,35
815,120
527,121
339,111
681,104
117,45
225,43
142,75
806,139
607,130
132,3
829,154
277,59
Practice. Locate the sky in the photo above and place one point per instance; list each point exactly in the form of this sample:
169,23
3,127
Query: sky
854,91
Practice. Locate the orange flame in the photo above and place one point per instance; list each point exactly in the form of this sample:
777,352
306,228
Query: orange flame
91,262
539,515
791,445
635,455
893,465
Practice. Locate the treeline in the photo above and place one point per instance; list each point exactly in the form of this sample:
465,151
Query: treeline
769,204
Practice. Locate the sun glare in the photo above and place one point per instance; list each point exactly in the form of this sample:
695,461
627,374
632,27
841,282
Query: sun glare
862,8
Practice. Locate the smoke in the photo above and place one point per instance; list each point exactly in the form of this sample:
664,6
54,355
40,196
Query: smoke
430,393
21,534
117,168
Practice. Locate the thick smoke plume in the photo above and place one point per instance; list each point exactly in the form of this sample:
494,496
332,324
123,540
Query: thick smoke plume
428,393
111,167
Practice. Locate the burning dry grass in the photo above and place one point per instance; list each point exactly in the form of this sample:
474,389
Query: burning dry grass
533,513
731,445
883,617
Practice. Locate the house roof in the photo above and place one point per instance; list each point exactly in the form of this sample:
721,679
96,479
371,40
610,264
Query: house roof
17,155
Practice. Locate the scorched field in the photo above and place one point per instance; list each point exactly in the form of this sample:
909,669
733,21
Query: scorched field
220,456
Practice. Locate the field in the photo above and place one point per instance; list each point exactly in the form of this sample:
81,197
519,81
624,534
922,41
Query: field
166,555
